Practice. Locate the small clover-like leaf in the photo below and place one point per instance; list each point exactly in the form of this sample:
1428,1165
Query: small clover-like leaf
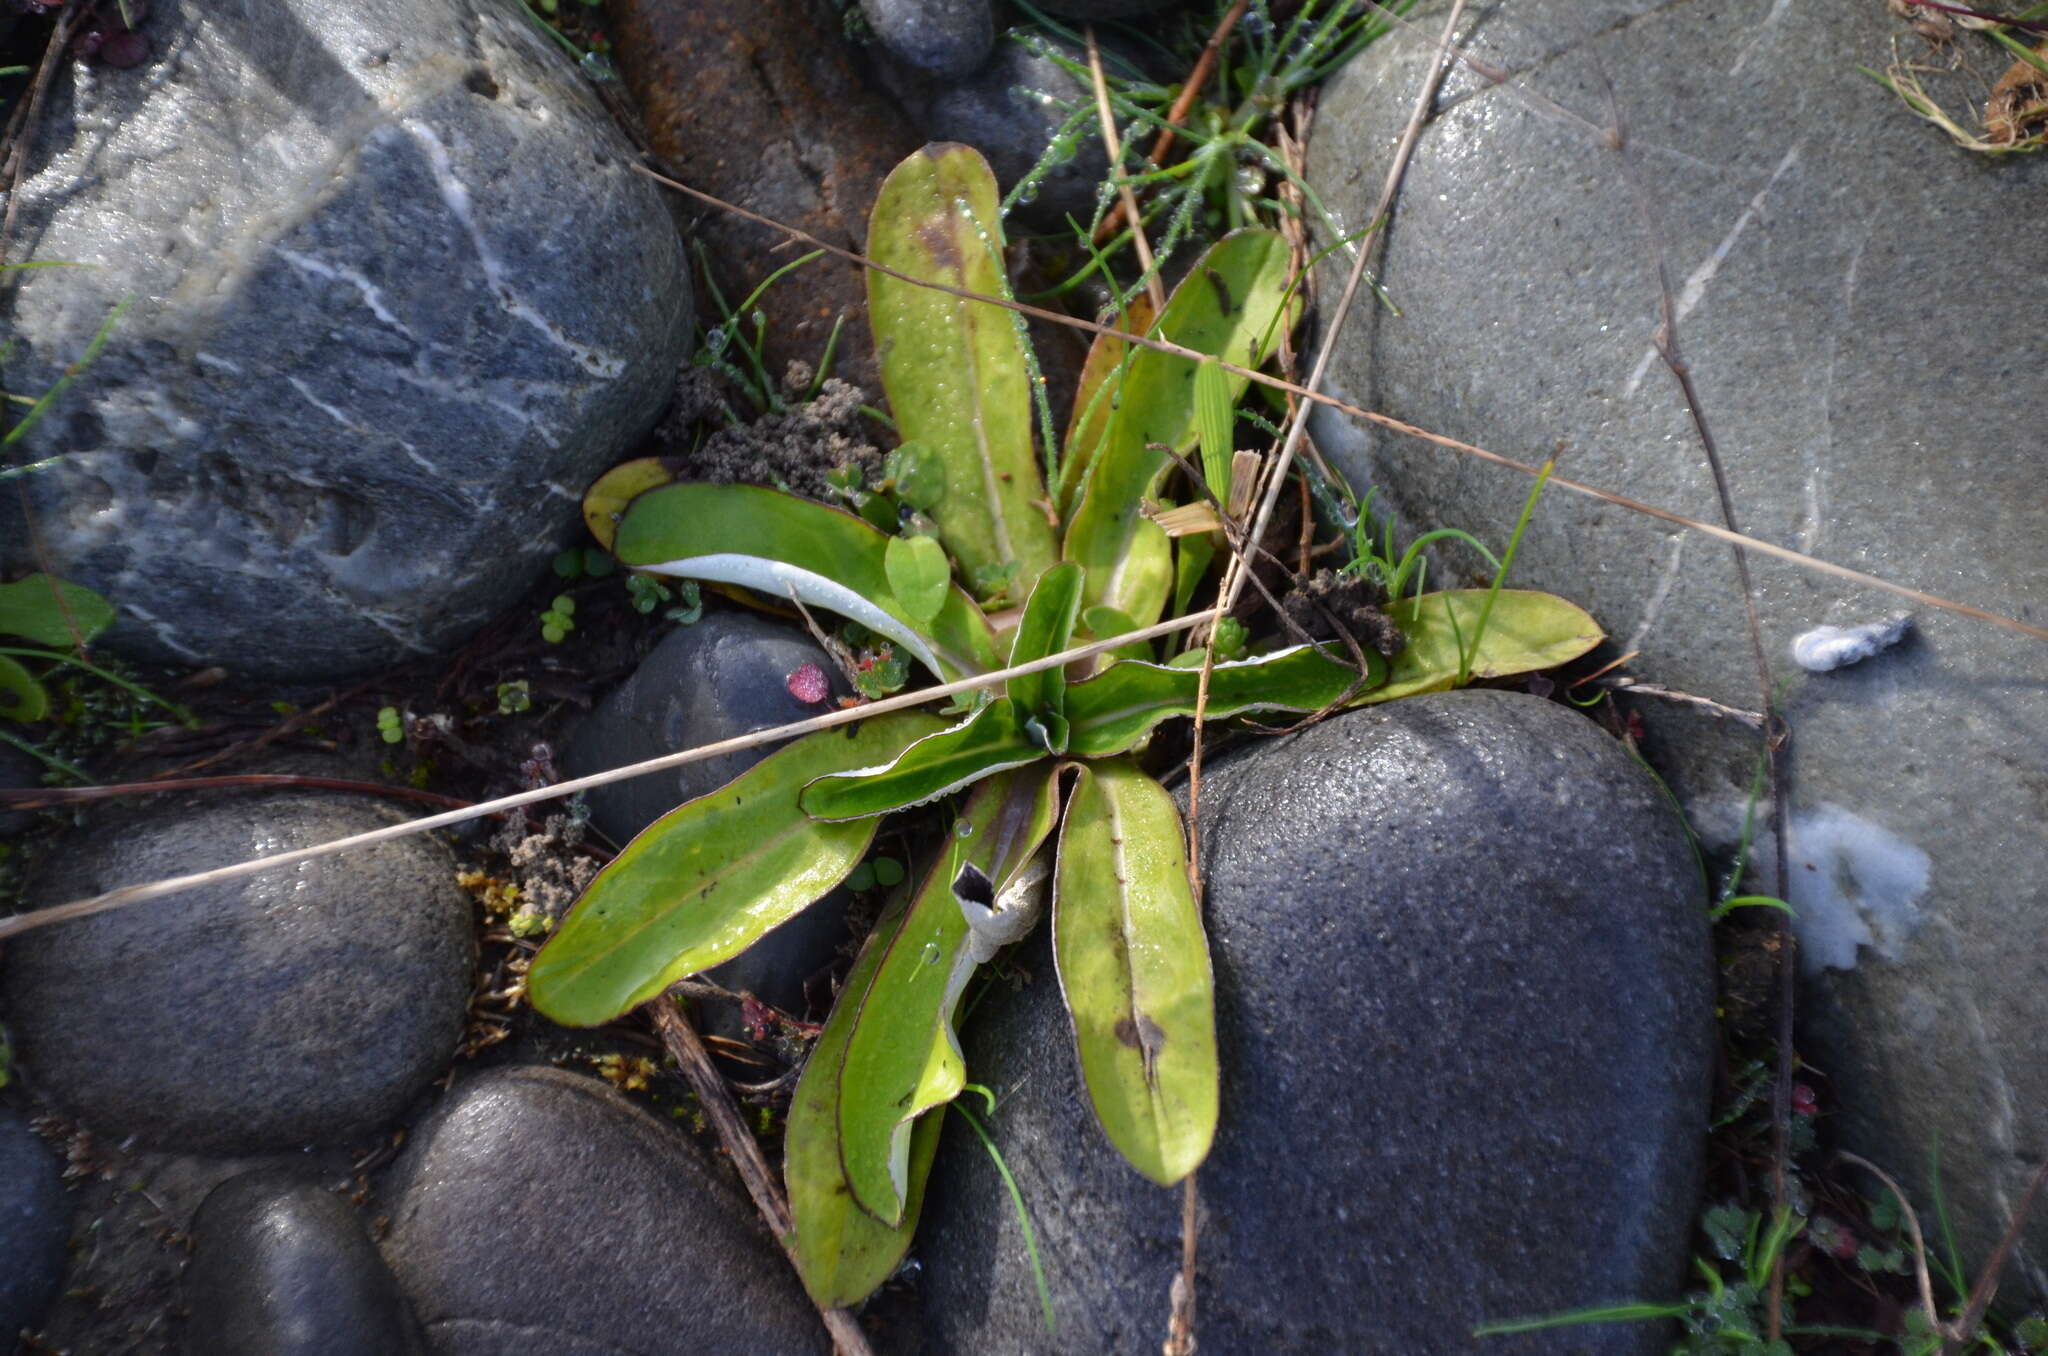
920,576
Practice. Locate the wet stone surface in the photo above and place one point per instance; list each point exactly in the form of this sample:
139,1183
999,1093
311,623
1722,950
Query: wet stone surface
540,1212
299,1006
1464,1012
1860,378
378,340
945,39
281,1267
35,1221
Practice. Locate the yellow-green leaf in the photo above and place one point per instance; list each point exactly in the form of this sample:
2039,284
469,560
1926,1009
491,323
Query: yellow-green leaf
955,369
919,575
1112,711
21,696
1215,418
1047,626
1229,305
709,878
1134,969
51,611
1095,399
842,1252
903,1057
993,739
1527,632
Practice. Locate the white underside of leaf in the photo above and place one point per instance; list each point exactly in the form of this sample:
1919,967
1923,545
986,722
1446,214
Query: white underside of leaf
780,580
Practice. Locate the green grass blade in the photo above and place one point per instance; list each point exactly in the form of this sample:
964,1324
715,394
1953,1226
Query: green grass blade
1134,970
1214,420
706,880
777,543
1111,712
1023,1217
955,370
1500,575
1606,1313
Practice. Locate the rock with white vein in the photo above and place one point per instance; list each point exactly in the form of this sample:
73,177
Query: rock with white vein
397,296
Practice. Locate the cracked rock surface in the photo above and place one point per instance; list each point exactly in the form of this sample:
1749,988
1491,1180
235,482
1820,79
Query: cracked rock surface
1859,373
378,341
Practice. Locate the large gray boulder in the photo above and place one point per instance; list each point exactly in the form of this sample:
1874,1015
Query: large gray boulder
1856,351
397,296
1464,997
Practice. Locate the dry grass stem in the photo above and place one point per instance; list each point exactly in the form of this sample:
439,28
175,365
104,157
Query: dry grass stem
1155,290
682,1041
136,894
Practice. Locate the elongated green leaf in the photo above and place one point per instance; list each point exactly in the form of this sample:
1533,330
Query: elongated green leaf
1134,968
1191,559
992,739
1095,400
1112,711
955,369
51,611
21,696
1214,421
1229,305
1527,632
1047,626
919,575
777,544
842,1252
707,879
903,1057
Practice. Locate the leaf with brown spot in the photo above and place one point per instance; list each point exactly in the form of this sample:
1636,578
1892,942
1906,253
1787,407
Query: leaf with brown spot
1134,968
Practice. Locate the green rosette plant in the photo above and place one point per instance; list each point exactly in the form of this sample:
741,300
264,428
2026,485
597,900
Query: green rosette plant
1057,806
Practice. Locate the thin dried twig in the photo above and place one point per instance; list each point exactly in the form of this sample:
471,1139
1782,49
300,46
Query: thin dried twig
1912,1228
43,797
21,131
1433,81
1667,346
1556,482
136,894
1986,1288
1155,290
745,1151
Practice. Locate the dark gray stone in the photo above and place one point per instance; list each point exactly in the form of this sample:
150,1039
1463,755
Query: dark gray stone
35,1221
945,39
1862,381
727,675
1093,10
399,296
281,1267
539,1213
18,772
303,1005
1465,999
1011,110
